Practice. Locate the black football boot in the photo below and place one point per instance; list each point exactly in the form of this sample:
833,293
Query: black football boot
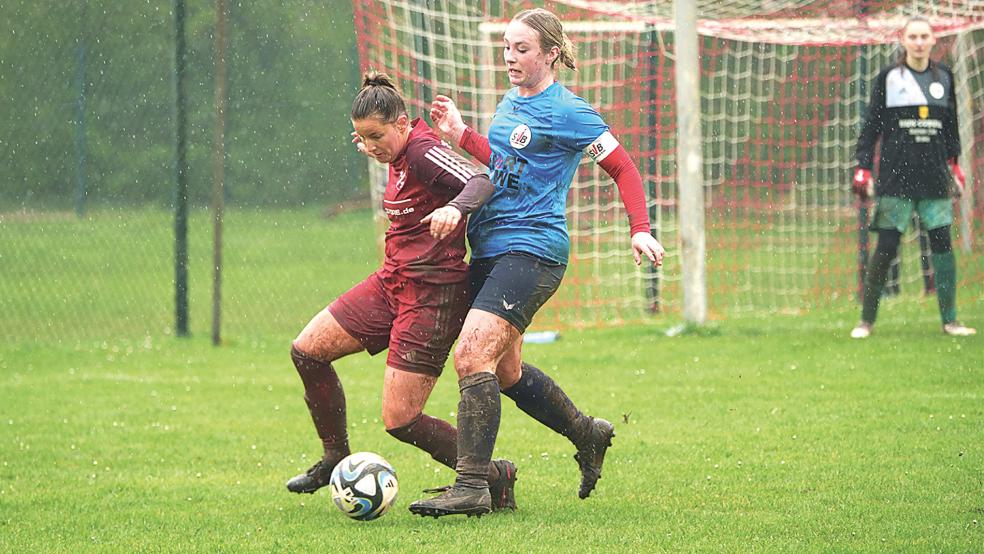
591,454
502,489
317,476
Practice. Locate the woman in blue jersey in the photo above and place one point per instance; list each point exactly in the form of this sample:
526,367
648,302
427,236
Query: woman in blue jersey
520,246
913,112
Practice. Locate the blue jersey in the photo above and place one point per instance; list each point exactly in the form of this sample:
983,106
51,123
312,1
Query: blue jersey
537,143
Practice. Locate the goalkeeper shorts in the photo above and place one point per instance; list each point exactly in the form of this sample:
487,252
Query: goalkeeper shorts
895,213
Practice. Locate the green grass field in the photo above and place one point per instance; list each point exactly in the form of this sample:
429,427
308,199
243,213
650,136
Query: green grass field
757,433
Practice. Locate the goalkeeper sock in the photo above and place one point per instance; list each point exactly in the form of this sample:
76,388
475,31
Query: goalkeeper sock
542,398
326,401
877,274
945,269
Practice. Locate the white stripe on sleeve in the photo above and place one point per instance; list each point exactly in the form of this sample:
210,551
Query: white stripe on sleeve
450,163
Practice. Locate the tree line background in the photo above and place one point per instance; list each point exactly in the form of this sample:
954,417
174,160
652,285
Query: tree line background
88,91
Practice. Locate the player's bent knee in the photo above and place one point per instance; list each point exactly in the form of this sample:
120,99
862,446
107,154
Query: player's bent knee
303,349
399,415
466,361
402,430
299,351
506,381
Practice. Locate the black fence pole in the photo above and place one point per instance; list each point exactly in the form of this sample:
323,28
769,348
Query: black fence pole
80,146
218,168
180,174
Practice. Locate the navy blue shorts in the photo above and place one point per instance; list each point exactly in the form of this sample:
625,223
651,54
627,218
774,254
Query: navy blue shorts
514,285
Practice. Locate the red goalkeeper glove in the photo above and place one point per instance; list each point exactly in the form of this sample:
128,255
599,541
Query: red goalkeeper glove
863,184
958,176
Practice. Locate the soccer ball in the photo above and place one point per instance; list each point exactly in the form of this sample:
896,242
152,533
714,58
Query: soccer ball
363,486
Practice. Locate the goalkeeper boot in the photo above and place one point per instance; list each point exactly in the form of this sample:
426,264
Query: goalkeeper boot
455,499
317,476
591,454
863,330
957,329
502,489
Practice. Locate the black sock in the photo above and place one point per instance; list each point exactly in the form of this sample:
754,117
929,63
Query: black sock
542,398
478,425
877,273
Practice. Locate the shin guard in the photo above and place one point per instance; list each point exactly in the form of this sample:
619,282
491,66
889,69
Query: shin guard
479,411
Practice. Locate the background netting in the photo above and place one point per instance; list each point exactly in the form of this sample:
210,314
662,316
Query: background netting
88,124
784,87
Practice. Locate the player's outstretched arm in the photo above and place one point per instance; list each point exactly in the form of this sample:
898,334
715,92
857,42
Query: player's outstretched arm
617,163
449,124
447,119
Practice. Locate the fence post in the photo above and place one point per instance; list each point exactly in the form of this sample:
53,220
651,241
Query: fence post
180,174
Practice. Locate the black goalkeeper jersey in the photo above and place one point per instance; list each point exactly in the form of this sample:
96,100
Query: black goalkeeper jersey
915,115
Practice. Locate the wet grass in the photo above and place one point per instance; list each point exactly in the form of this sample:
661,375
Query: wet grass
757,433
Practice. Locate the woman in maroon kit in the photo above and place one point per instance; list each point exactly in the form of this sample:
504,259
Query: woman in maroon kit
414,304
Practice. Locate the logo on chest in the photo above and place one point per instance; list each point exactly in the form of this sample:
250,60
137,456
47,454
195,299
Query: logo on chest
936,90
401,179
520,137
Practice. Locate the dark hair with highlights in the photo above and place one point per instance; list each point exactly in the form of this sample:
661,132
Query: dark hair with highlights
378,98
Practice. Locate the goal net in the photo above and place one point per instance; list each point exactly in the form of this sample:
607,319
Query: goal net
784,86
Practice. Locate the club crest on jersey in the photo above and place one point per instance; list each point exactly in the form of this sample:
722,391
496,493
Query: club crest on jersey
936,90
923,112
520,137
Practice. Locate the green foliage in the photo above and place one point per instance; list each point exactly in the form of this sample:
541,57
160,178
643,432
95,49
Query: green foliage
292,71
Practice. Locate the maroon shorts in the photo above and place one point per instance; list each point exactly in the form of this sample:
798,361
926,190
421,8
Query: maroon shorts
417,321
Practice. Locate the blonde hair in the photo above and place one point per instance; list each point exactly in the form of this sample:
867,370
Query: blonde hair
378,98
551,32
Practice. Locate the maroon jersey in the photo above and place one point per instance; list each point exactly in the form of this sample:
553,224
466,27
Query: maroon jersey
424,177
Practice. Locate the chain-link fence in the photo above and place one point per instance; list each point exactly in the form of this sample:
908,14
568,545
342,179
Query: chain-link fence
87,161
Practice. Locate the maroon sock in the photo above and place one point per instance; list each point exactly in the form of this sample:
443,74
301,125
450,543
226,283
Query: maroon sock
326,402
436,437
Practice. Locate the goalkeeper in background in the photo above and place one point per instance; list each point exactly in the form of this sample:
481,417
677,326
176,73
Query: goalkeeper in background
913,110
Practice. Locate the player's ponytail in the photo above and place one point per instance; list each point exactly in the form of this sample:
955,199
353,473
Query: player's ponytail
378,98
567,53
551,32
